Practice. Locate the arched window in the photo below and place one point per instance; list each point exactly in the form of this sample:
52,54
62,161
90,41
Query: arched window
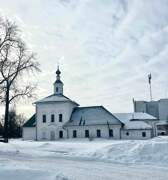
127,133
56,89
44,118
87,133
74,133
60,117
143,134
98,133
110,132
52,118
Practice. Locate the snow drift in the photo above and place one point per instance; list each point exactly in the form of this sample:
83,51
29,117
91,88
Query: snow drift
154,151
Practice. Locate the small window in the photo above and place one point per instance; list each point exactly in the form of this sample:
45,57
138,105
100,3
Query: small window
56,89
60,117
110,133
127,133
143,134
98,133
60,134
162,133
44,118
74,134
52,118
87,133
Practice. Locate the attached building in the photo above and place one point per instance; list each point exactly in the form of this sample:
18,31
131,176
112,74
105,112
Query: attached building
29,129
137,125
93,122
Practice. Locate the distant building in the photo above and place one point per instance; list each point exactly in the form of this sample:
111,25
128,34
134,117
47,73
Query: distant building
158,109
57,117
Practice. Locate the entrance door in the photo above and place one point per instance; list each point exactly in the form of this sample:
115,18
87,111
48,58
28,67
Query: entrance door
60,134
52,135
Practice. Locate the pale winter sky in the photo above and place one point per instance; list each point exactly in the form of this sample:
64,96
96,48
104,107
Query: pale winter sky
106,48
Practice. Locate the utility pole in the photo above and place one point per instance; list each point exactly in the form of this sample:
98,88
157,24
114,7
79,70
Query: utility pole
150,85
134,104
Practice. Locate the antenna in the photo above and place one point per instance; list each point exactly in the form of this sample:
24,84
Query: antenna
150,85
133,100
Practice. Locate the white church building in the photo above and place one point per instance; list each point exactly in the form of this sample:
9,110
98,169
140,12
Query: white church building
59,117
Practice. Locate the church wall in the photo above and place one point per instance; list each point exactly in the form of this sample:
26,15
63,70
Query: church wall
93,131
50,130
136,134
29,133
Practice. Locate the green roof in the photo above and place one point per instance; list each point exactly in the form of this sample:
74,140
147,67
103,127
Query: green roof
31,122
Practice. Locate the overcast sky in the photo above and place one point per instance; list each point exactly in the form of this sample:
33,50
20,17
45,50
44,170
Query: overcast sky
106,48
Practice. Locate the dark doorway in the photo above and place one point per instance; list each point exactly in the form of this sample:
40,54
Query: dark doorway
52,135
60,134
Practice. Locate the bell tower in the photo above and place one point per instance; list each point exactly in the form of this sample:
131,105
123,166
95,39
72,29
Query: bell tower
58,85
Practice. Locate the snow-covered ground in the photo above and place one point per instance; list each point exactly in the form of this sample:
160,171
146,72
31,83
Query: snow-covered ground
83,159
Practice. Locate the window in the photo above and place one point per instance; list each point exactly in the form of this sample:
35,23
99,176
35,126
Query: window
127,133
60,117
60,134
87,133
143,134
162,133
44,118
74,134
52,118
56,89
98,133
110,133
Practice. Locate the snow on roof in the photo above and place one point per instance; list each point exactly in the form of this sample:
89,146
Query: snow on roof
135,116
135,120
56,98
92,115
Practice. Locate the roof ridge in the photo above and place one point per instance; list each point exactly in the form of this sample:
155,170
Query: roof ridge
55,95
89,107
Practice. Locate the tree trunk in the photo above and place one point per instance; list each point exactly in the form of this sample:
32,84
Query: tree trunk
6,123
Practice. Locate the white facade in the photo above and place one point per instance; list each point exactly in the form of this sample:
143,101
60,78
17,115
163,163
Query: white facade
29,133
51,130
104,131
136,134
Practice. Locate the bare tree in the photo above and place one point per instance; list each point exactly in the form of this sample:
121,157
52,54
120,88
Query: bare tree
15,61
21,119
1,127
